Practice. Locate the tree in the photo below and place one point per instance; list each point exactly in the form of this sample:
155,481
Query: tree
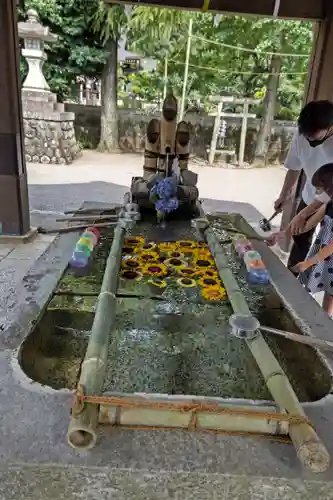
108,23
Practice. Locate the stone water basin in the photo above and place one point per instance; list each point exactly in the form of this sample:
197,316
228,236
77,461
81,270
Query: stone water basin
172,346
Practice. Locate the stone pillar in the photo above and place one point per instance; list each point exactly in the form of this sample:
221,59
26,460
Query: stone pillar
319,82
48,129
14,206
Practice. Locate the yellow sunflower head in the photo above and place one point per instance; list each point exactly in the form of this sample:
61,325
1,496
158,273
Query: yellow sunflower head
203,262
130,264
149,247
185,244
174,263
208,281
175,254
187,272
131,274
145,257
167,246
186,282
158,283
134,241
155,269
213,293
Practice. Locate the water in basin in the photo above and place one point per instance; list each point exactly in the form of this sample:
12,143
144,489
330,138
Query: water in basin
175,346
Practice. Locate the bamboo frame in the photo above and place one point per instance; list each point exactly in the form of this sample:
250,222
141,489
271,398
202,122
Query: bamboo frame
238,420
82,428
310,450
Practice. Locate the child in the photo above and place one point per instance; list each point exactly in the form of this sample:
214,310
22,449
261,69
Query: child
316,271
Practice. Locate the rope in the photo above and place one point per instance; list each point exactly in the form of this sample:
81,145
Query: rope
80,399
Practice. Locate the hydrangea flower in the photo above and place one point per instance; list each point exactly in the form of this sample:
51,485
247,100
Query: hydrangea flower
163,194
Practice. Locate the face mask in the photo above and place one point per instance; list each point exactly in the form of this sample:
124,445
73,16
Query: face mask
323,197
318,142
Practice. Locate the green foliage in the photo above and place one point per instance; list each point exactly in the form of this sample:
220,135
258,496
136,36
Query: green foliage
84,27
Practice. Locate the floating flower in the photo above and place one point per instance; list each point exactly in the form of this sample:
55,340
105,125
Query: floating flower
155,269
157,282
188,271
213,293
174,263
134,241
130,263
211,273
167,246
208,281
202,244
131,274
175,254
185,244
127,250
148,256
149,247
203,262
186,282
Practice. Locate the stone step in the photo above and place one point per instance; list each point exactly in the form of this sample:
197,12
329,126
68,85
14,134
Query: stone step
49,482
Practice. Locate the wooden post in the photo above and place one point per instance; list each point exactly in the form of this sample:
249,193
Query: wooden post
215,133
187,60
243,134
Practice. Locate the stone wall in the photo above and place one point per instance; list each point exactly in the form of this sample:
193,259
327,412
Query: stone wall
132,127
49,133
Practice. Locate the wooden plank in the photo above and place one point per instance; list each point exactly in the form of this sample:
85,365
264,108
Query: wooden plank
298,9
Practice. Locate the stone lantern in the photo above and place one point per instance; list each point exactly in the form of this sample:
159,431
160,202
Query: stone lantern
34,36
49,134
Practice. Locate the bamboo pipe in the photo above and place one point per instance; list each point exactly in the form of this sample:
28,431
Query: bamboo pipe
73,229
182,141
82,428
310,450
87,217
302,339
91,211
222,421
152,148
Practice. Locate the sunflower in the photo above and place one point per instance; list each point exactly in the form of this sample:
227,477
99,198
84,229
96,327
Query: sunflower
203,262
210,273
155,269
188,272
186,282
145,257
131,274
175,255
213,293
134,241
167,246
208,281
127,250
185,244
149,247
174,264
201,244
130,263
157,284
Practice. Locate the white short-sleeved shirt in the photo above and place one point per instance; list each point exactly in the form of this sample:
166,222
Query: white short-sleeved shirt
302,156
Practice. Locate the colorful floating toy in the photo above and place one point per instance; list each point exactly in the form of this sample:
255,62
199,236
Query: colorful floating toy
84,248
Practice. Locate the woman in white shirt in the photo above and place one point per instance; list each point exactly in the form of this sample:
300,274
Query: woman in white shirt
311,148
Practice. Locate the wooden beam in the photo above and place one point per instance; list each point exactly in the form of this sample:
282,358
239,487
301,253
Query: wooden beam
296,9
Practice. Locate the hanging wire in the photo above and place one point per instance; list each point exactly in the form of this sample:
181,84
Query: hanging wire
227,72
244,49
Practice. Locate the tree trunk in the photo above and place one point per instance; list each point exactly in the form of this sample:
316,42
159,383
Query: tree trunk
269,110
109,112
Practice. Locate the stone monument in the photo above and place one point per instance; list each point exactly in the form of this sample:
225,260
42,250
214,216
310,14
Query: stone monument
49,134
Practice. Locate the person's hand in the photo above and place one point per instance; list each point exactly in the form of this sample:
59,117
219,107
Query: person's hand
275,238
297,224
278,204
301,267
